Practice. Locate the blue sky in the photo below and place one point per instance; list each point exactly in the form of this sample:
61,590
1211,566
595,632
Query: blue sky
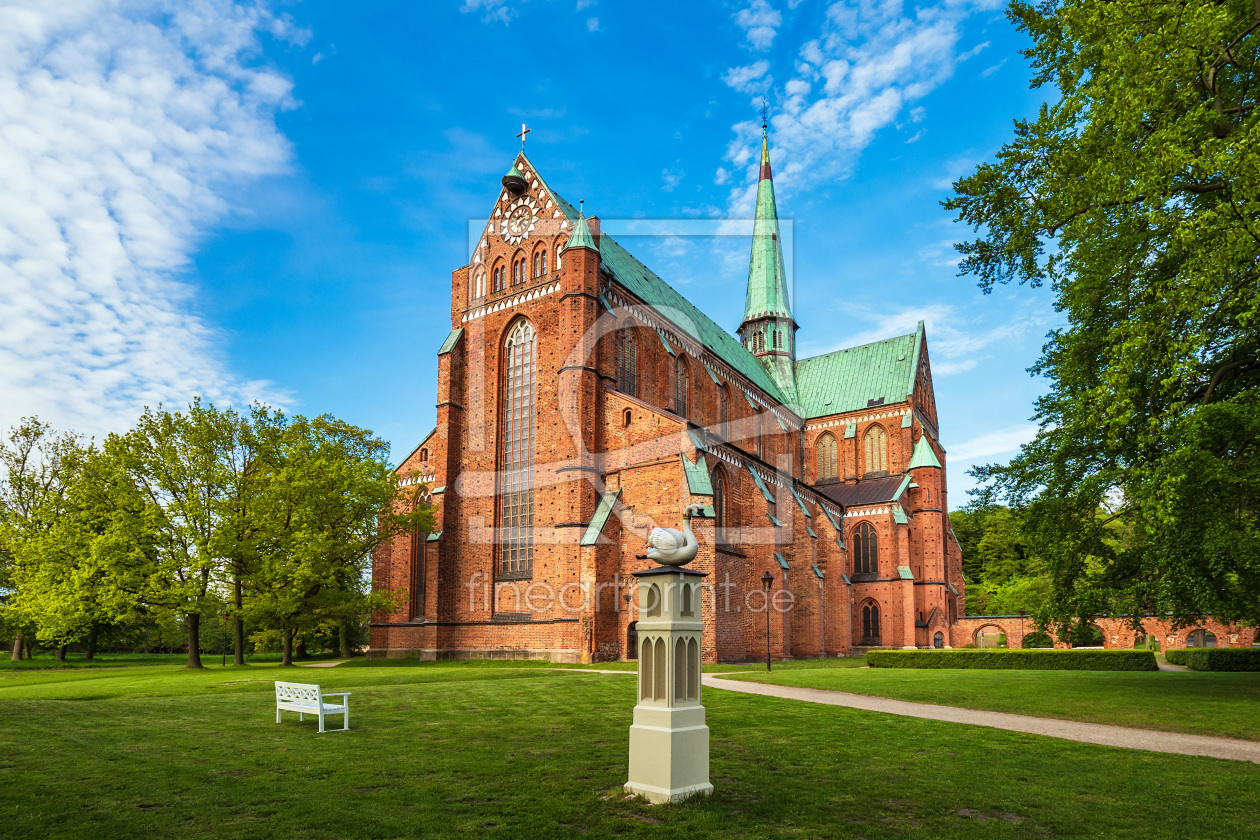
266,201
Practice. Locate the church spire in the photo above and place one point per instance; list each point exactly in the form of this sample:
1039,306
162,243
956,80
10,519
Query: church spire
768,329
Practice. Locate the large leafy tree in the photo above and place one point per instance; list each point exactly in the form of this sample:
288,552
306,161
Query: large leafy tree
34,463
331,499
1133,195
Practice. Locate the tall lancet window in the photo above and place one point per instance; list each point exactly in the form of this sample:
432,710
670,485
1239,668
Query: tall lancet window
876,449
516,484
682,387
828,457
628,361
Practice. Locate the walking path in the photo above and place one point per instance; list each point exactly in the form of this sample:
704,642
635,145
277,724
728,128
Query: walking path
321,664
1088,733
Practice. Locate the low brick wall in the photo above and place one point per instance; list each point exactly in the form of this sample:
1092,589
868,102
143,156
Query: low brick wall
1118,633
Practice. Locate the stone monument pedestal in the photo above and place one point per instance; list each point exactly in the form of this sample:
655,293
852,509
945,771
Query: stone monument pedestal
669,741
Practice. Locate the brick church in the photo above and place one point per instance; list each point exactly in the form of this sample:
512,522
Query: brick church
583,401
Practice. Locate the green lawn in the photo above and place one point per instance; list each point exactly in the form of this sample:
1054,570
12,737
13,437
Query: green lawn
1204,703
455,750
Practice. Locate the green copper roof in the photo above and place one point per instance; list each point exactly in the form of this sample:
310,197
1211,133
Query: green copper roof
783,564
899,515
451,341
514,173
600,519
923,456
697,476
847,380
904,573
767,282
581,237
641,282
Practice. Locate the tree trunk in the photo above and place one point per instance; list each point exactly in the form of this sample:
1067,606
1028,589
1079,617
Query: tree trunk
91,645
194,640
26,646
287,659
343,636
301,649
17,648
238,653
61,653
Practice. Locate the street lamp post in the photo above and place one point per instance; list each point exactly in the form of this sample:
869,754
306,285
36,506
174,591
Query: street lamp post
766,580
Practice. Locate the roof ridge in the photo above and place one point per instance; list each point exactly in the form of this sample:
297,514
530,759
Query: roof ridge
858,346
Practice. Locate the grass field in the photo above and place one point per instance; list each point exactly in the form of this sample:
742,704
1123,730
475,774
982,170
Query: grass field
1203,703
484,750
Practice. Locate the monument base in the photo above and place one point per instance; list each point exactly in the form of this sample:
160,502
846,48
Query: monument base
669,754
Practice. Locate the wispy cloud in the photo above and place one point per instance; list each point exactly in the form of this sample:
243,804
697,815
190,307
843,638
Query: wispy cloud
492,11
870,62
760,22
997,442
955,342
749,78
989,71
121,128
671,178
592,24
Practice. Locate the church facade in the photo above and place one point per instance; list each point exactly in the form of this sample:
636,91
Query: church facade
583,401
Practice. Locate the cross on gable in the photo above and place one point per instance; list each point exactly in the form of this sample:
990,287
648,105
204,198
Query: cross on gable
524,131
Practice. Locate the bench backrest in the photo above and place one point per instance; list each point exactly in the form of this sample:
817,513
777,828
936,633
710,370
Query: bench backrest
298,693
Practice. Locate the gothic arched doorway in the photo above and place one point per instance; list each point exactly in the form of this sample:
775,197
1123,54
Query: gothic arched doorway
632,641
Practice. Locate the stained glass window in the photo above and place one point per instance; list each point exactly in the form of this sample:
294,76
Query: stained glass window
516,492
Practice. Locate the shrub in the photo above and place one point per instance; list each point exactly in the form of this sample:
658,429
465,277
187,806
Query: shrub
1177,656
1019,660
1038,640
1222,659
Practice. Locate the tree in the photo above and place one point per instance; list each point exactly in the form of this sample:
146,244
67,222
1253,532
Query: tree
80,574
331,500
1134,196
32,489
177,463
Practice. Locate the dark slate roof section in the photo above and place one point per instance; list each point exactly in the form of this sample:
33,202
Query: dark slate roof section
869,492
847,380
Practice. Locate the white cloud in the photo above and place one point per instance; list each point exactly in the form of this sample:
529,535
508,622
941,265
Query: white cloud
974,51
988,444
493,11
760,22
671,178
585,4
872,60
955,169
954,341
989,71
592,24
918,135
748,79
120,129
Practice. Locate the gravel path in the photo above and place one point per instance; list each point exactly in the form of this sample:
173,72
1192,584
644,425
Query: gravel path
1089,733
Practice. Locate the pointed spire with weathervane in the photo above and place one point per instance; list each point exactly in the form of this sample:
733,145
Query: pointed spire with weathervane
581,236
768,329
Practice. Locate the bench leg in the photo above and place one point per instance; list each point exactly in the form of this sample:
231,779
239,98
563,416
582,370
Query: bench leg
277,714
347,713
321,721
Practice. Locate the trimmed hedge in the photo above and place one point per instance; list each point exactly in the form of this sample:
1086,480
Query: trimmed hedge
1177,656
1018,660
1220,659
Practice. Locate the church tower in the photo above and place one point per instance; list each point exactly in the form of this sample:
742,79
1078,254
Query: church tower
768,329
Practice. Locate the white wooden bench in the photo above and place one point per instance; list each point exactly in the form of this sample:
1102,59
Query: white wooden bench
309,700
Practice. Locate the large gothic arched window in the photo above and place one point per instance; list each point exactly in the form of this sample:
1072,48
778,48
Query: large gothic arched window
828,457
516,483
865,550
875,446
628,361
682,387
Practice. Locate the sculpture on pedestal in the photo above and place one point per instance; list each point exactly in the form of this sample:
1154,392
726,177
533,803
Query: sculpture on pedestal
669,741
